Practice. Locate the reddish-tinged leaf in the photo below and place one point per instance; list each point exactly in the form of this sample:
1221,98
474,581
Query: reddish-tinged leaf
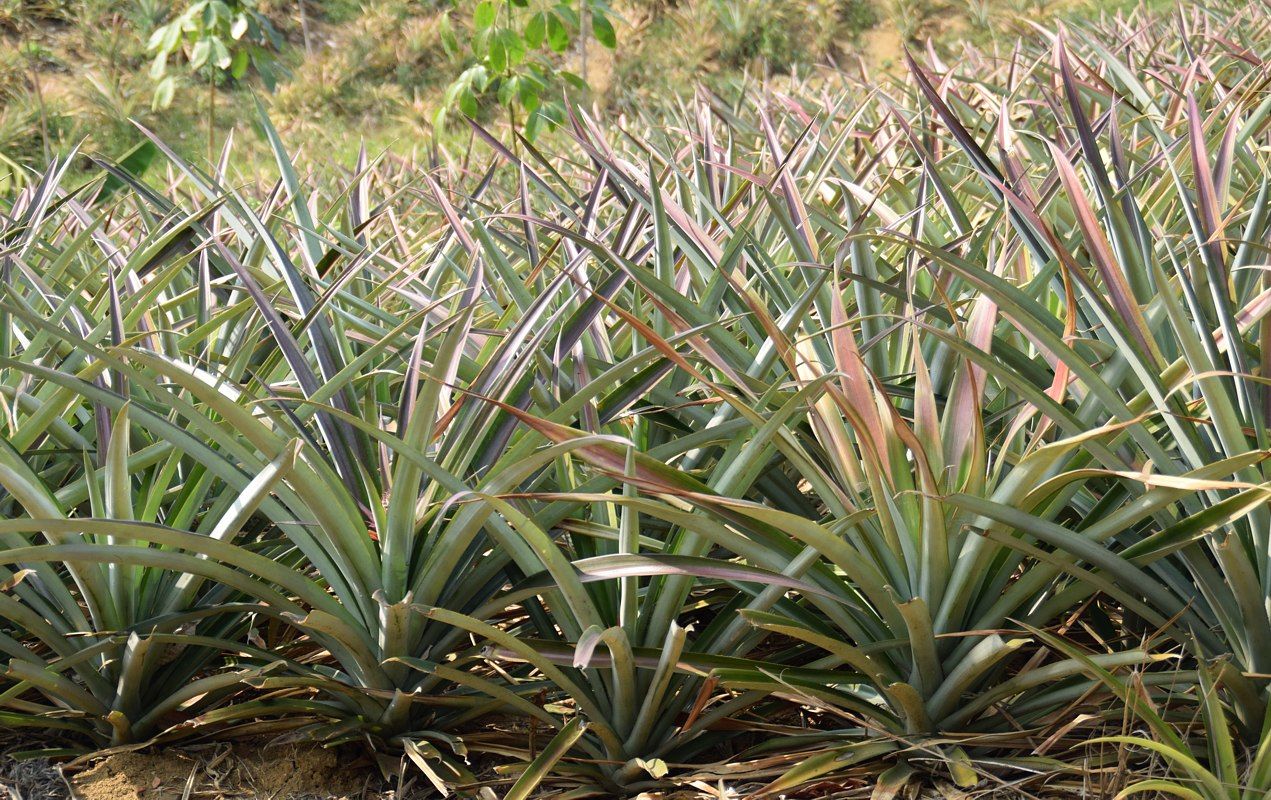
1101,254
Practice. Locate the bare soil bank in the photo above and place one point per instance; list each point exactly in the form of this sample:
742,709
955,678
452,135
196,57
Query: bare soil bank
216,772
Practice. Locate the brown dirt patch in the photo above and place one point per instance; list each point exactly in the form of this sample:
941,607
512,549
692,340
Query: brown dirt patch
135,776
882,46
286,772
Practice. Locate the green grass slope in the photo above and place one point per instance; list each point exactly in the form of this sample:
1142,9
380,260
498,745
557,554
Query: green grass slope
77,71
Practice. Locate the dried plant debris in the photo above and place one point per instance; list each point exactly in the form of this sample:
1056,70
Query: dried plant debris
32,779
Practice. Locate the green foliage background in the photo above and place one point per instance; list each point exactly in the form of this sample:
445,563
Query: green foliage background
76,71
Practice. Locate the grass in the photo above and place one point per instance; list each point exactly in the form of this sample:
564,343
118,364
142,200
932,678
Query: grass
913,428
76,71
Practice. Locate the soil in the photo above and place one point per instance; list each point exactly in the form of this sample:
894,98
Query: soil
882,46
285,772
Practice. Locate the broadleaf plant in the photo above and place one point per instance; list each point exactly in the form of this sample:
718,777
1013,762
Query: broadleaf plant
517,47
